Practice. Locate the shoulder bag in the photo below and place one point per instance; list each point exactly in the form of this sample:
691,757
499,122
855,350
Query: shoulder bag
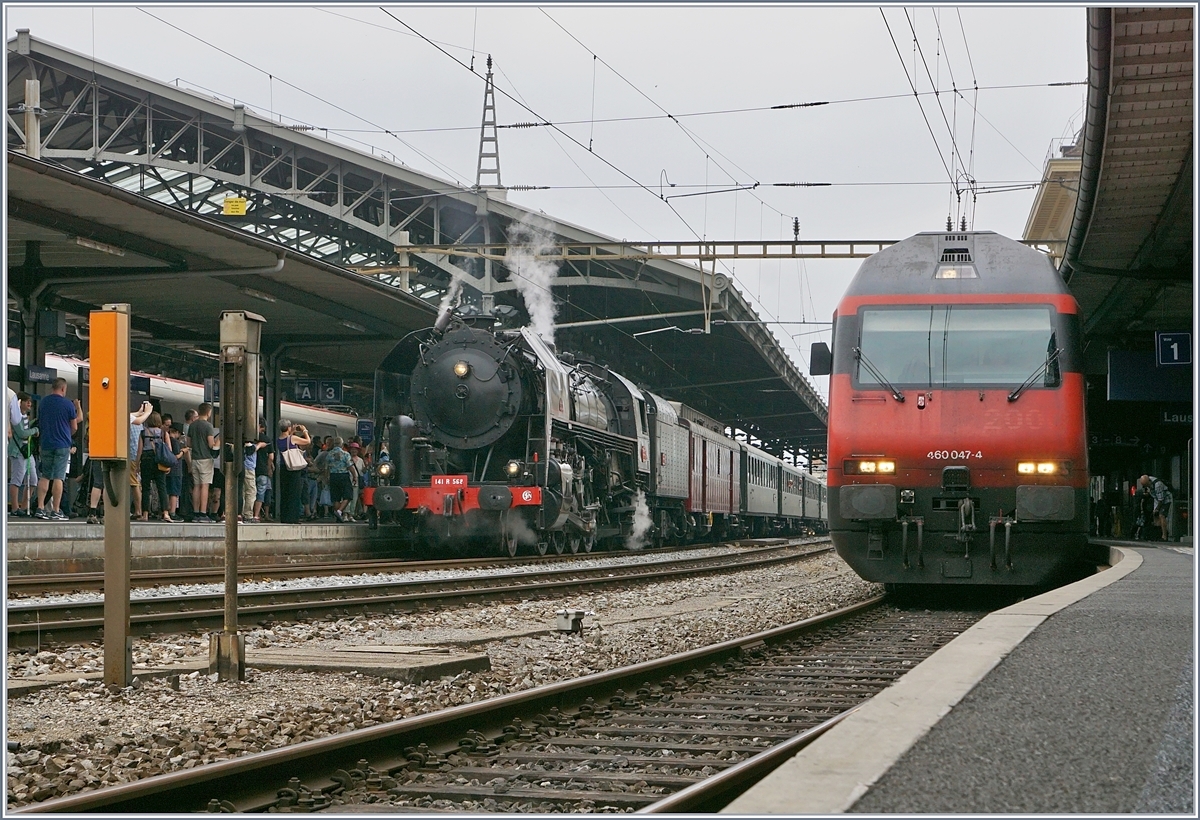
294,459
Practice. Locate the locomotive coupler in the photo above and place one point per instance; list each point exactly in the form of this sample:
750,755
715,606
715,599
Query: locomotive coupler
920,522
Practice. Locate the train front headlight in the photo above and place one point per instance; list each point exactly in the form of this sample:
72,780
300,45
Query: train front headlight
384,470
1044,467
855,466
462,369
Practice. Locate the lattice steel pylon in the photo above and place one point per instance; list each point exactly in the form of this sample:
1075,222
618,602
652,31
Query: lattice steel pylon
489,145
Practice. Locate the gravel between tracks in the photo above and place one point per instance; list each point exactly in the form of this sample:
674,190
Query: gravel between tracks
81,736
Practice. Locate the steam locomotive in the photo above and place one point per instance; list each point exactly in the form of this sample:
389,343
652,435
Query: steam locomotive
510,445
957,442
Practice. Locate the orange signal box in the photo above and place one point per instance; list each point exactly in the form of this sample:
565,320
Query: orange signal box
108,391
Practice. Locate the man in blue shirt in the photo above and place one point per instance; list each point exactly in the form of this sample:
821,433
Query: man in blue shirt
58,419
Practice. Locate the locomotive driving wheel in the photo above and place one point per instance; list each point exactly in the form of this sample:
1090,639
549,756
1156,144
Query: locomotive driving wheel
543,545
589,541
558,540
574,542
508,538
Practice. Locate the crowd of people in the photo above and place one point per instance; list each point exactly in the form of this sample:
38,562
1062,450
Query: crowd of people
176,470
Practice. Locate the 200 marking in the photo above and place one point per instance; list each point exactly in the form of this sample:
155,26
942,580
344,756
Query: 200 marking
939,455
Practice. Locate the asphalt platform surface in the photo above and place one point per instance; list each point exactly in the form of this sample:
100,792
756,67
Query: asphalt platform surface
1092,713
1076,700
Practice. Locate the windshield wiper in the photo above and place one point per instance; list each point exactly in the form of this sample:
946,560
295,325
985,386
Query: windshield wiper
858,354
1042,368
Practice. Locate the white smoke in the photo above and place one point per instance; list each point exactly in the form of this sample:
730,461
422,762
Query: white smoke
449,298
642,522
533,276
515,525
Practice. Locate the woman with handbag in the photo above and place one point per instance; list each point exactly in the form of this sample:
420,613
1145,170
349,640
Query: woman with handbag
155,464
292,463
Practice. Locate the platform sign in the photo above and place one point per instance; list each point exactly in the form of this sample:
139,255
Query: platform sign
1173,348
212,391
305,391
365,430
329,391
41,375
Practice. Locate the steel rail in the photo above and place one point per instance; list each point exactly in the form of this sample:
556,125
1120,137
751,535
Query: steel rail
253,782
74,622
78,581
715,792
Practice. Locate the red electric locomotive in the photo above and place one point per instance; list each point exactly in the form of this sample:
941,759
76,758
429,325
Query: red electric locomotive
957,448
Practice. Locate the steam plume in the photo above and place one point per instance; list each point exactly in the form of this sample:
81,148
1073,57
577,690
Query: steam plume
531,275
642,522
449,301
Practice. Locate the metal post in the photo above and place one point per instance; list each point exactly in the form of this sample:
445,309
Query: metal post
273,407
240,333
33,118
109,442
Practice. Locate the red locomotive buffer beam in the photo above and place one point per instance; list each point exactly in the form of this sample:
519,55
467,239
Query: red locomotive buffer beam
451,495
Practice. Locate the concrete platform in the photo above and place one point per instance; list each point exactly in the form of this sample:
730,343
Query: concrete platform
411,664
35,547
1078,700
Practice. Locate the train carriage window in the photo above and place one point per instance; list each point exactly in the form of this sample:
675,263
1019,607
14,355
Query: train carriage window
949,345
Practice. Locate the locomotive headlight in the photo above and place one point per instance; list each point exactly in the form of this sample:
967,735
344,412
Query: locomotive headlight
384,469
513,468
461,369
1044,467
857,467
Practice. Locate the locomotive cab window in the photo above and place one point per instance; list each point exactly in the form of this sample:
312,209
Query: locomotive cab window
958,345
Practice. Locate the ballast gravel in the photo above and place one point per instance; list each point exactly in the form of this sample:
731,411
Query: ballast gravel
81,736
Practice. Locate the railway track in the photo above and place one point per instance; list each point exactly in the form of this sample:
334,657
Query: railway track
40,584
682,733
48,623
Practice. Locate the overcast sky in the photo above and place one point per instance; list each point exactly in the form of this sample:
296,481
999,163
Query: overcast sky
609,76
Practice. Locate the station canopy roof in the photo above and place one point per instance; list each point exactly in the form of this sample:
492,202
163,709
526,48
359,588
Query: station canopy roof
80,243
1130,254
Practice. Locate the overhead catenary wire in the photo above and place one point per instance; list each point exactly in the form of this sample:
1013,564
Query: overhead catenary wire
974,103
706,148
307,93
579,167
937,98
528,108
911,85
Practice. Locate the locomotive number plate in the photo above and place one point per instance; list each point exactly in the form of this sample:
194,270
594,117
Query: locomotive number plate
956,455
449,481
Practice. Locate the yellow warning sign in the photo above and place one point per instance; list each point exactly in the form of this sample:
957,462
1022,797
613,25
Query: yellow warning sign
234,206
